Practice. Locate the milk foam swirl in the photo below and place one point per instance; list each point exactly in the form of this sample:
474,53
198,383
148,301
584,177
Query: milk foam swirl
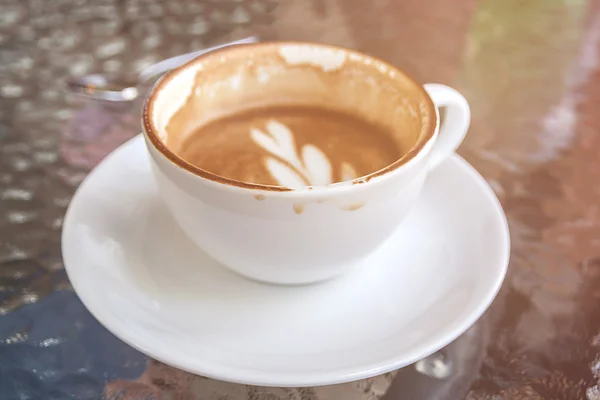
309,168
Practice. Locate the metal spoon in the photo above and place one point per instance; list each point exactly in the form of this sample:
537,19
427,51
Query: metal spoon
98,87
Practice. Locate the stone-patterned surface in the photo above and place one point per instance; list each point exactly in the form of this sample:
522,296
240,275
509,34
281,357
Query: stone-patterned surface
530,70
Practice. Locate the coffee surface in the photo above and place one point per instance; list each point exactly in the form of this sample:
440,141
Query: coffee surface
291,146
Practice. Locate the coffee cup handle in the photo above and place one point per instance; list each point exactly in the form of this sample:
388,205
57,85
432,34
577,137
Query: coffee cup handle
456,122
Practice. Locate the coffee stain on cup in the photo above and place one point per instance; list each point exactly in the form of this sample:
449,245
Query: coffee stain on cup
299,208
259,197
353,207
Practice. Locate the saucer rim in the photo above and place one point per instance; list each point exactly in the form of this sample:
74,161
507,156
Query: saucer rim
262,377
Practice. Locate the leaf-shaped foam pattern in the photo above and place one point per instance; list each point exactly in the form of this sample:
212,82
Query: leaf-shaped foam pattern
314,168
285,139
285,175
348,172
266,142
317,165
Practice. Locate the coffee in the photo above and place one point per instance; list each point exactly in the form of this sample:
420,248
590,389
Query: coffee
290,146
289,116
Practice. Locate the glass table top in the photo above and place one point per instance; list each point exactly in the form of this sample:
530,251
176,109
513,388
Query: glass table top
531,73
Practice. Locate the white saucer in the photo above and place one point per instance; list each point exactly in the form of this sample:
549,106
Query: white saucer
148,284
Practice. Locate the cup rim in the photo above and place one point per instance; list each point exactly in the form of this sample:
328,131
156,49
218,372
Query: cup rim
153,137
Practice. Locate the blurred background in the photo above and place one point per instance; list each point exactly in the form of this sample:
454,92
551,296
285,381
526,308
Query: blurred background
530,70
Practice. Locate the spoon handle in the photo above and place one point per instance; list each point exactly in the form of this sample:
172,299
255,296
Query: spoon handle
98,87
170,63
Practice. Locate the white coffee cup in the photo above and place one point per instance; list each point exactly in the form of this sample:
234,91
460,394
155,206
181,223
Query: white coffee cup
313,233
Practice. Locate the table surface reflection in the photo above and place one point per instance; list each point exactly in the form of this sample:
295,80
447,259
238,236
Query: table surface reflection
531,72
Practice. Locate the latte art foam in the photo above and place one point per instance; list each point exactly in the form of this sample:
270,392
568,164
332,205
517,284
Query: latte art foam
289,168
293,147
